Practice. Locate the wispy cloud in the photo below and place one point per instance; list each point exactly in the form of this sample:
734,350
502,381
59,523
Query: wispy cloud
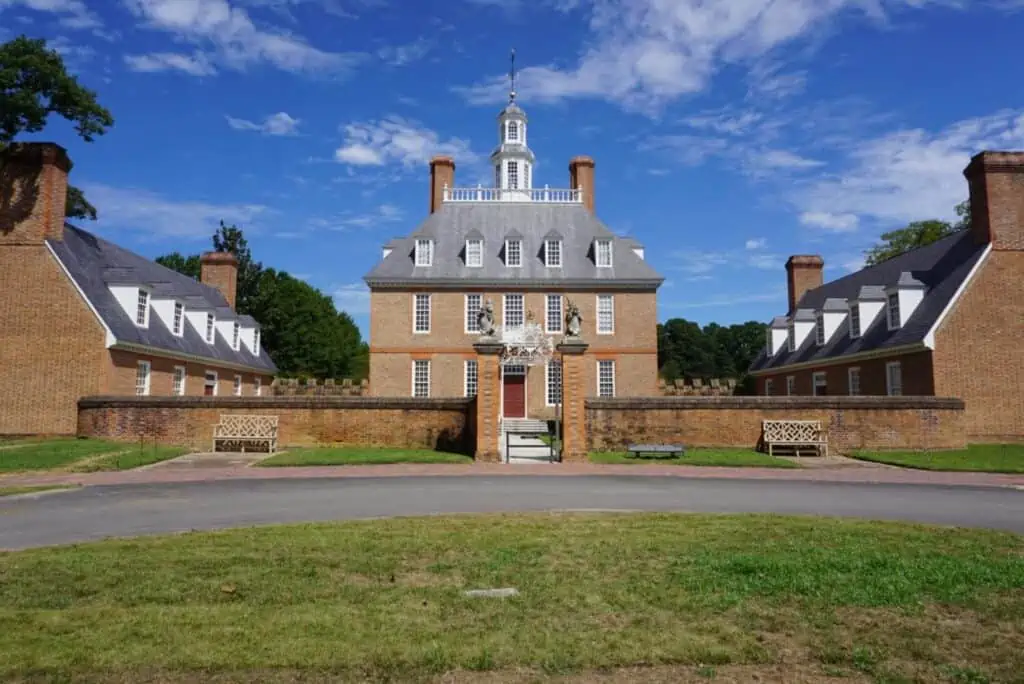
353,298
377,217
699,265
280,124
756,243
395,140
72,14
725,301
400,55
196,64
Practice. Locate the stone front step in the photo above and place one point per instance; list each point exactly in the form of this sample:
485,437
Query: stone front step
515,425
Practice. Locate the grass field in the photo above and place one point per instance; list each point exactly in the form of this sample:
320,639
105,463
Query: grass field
701,457
82,455
987,458
360,456
664,598
13,491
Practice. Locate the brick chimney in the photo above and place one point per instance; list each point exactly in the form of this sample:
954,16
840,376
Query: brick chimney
581,177
996,181
442,173
804,272
33,193
220,270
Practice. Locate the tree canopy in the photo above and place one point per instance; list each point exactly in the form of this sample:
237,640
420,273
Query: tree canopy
917,234
685,350
301,329
35,83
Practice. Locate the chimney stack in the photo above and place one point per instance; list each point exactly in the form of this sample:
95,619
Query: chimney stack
804,273
996,181
442,174
220,270
33,193
581,177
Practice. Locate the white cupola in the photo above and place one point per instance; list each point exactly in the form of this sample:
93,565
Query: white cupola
512,160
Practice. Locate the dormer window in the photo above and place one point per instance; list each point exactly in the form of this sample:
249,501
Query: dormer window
513,131
553,253
819,329
424,252
603,253
514,253
893,310
142,309
210,321
235,330
474,253
256,342
791,339
178,323
854,321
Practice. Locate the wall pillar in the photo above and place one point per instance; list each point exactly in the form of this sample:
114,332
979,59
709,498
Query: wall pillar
574,395
488,401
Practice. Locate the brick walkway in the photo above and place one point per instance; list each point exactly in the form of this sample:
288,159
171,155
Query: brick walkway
166,474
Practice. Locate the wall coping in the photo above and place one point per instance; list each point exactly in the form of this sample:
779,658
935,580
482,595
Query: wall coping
843,403
278,402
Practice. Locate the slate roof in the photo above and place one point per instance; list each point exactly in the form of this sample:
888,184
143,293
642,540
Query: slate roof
94,263
495,221
940,267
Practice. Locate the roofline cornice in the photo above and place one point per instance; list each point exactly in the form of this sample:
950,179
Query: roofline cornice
530,283
844,358
174,355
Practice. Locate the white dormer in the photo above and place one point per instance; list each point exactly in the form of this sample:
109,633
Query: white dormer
231,331
474,251
831,316
869,304
778,333
248,337
800,327
603,252
424,252
902,300
386,252
171,313
135,300
639,251
256,343
513,252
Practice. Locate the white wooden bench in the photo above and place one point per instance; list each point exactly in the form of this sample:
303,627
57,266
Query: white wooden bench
243,430
795,434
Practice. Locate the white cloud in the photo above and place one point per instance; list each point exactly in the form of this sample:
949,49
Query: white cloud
280,124
644,53
378,216
400,55
756,243
398,141
833,223
235,39
151,214
724,301
73,14
196,64
704,265
353,298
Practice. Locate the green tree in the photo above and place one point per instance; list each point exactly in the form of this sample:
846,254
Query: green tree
176,261
35,83
917,234
229,238
714,351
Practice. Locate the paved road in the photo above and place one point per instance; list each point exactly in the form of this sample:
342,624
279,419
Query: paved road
127,510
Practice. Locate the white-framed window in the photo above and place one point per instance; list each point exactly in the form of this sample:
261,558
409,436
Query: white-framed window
553,383
819,329
606,378
526,174
513,131
514,312
237,389
769,386
235,330
471,378
603,253
424,252
820,384
790,385
421,313
553,253
513,175
854,321
605,314
853,381
256,342
210,384
178,322
553,314
474,302
421,378
474,252
210,327
257,386
497,176
791,337
178,387
142,373
514,253
142,309
894,379
893,308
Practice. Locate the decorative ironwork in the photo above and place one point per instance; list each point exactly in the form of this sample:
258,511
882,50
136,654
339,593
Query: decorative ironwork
527,344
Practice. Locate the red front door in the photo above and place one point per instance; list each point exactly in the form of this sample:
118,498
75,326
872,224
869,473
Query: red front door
514,392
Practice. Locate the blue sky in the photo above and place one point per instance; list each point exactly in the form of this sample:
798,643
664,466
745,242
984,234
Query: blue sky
728,134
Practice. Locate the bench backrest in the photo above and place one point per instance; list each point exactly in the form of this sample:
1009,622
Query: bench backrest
792,430
248,426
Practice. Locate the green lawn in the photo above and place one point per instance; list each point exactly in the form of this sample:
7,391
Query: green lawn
82,455
609,597
13,491
360,456
701,457
988,458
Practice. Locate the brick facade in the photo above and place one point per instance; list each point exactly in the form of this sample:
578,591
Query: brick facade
123,365
852,422
916,369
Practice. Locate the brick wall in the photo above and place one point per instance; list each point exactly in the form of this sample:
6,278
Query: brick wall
979,352
852,422
304,421
123,366
918,379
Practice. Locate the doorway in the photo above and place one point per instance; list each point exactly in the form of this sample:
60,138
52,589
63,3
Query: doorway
513,391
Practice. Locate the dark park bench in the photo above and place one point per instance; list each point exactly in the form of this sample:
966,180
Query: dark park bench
657,450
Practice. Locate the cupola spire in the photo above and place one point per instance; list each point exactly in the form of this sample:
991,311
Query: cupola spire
512,77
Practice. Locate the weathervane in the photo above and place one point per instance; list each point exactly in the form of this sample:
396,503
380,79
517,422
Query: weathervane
512,78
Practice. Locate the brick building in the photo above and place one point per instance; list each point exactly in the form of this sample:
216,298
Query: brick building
81,316
529,251
942,320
